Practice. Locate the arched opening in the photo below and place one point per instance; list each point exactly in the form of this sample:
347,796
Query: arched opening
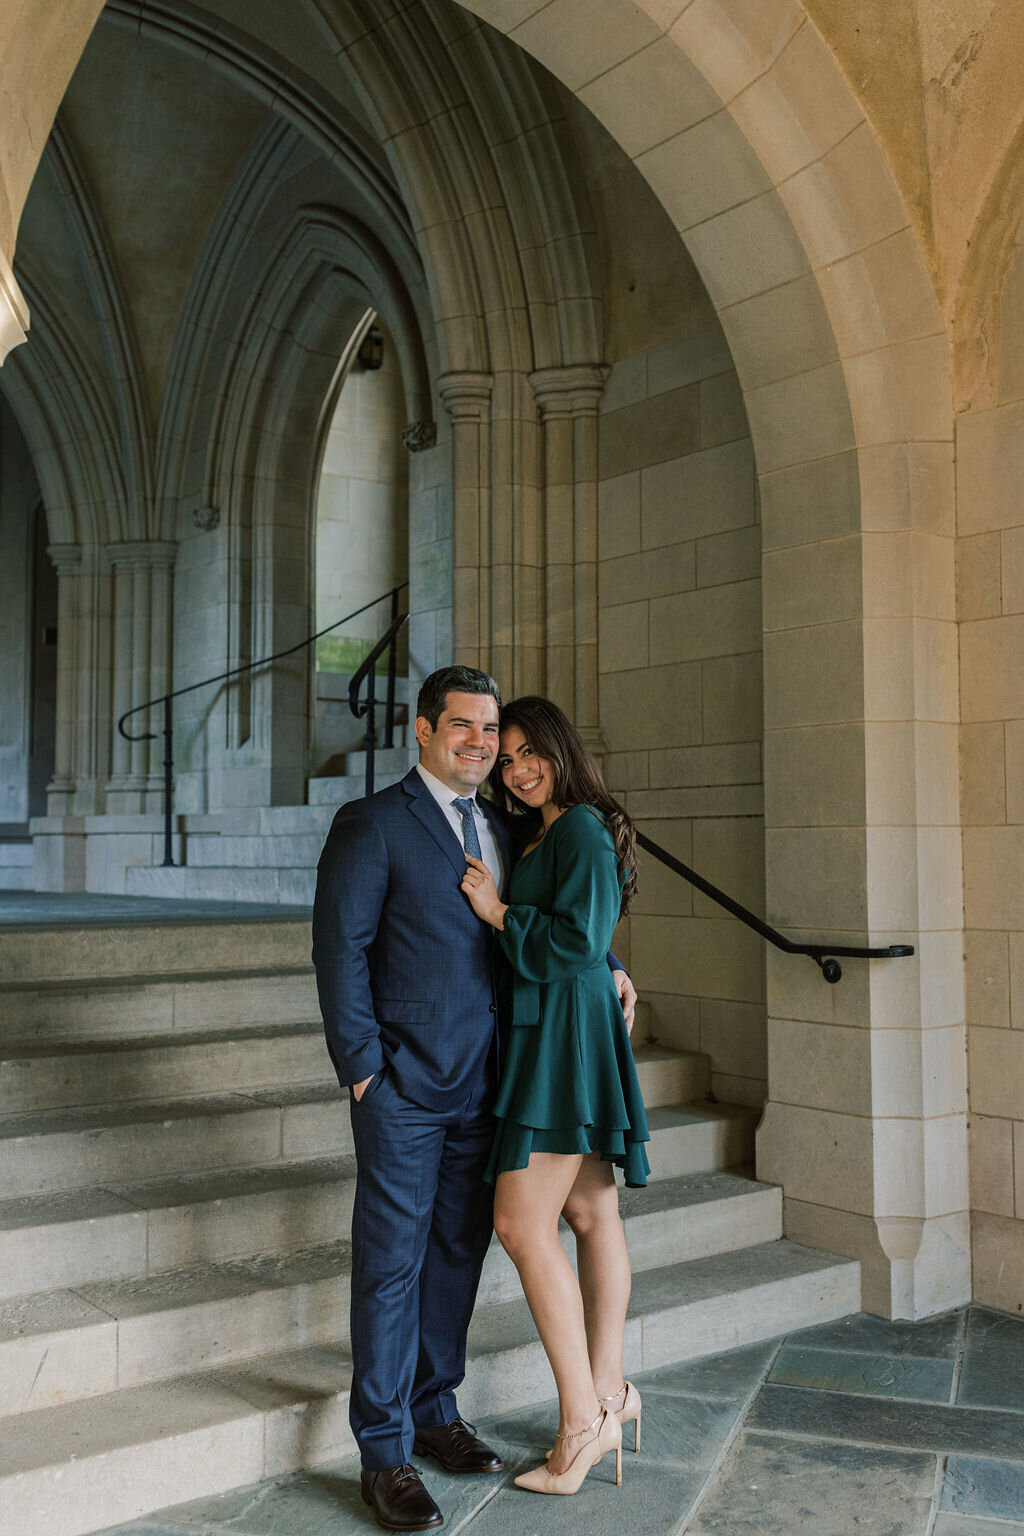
361,533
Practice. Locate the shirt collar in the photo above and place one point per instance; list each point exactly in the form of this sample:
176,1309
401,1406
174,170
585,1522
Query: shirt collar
441,792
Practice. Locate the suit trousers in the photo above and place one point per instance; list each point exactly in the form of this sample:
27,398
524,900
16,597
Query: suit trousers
420,1228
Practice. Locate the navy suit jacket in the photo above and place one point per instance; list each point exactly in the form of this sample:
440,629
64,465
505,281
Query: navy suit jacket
404,967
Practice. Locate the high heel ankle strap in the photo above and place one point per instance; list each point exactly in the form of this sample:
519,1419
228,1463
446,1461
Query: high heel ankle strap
577,1434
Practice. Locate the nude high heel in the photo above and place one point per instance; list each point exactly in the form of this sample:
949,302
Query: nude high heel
630,1411
608,1438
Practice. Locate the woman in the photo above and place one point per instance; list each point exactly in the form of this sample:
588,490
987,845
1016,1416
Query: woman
569,1105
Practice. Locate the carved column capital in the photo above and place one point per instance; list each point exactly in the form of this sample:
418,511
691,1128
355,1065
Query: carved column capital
65,557
466,395
575,390
143,554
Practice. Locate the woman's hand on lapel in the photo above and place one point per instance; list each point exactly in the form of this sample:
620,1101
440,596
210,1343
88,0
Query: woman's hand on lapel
478,885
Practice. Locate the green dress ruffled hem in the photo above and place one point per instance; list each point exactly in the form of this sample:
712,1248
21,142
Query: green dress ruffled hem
513,1144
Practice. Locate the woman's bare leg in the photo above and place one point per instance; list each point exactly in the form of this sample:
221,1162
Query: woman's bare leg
592,1211
527,1204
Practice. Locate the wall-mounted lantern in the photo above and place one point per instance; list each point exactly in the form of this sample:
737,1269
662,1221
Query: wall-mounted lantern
371,350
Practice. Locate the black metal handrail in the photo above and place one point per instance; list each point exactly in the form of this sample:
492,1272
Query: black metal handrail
823,955
368,670
166,699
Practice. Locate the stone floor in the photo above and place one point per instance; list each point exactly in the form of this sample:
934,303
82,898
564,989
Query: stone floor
44,909
856,1428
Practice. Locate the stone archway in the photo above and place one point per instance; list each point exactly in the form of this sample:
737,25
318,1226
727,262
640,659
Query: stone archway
747,131
745,127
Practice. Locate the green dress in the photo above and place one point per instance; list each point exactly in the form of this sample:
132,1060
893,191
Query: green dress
568,1081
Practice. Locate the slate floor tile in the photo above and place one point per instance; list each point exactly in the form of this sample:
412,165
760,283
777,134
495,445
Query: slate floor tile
733,1374
144,1528
689,1431
775,1487
322,1502
993,1370
990,1489
966,1525
938,1337
651,1502
325,1501
874,1375
914,1426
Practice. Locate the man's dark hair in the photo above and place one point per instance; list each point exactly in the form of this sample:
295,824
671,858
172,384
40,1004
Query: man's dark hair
436,688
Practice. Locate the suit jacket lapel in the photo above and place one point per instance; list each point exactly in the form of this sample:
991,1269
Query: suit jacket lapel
427,811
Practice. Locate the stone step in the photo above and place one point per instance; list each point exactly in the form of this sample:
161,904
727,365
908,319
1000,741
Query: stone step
153,950
341,788
260,820
284,887
16,854
132,1228
60,1149
389,767
63,1149
17,878
103,1011
72,1237
122,1332
88,1144
59,1073
279,850
82,1466
669,1077
88,1071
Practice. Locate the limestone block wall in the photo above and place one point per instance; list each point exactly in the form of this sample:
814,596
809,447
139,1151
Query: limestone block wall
990,581
19,493
362,508
361,537
680,679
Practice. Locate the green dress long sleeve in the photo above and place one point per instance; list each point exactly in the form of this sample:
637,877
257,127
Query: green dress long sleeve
568,1081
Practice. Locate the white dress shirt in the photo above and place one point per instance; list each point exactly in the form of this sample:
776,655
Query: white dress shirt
446,798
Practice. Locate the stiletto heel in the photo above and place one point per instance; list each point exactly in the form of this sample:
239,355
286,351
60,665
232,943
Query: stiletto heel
608,1438
630,1411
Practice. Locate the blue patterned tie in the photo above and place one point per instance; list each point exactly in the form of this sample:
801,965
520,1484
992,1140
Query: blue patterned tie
469,834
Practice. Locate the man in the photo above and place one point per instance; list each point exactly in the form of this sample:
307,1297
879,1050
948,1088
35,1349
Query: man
404,973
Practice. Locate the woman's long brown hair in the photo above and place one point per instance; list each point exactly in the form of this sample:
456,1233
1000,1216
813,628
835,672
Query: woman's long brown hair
578,780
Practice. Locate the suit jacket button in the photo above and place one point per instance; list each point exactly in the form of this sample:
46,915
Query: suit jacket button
493,1007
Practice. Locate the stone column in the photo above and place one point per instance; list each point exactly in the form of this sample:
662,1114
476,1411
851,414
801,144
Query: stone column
67,558
865,1126
141,654
121,645
467,399
568,400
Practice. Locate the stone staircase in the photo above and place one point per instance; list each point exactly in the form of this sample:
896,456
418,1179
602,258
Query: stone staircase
176,1180
265,854
16,864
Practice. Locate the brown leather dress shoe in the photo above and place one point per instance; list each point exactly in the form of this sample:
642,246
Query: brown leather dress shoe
399,1500
457,1448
